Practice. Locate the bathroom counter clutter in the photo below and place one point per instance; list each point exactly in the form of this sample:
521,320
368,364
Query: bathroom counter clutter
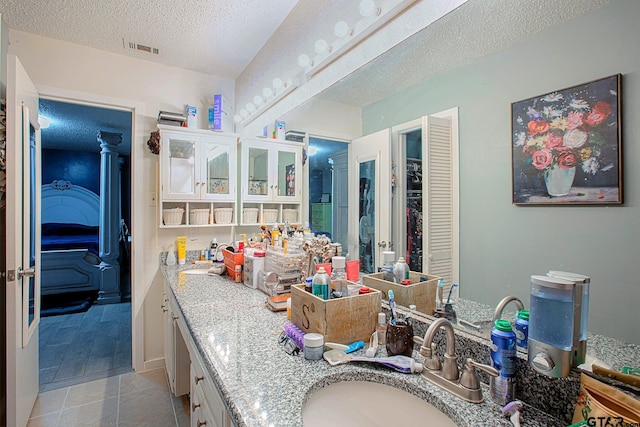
261,385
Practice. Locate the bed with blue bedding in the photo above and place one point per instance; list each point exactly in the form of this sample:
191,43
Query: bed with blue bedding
70,240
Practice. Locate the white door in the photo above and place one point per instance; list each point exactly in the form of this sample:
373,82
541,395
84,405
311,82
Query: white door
23,243
439,202
370,205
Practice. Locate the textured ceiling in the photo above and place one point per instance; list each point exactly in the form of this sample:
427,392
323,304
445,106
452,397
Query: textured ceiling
222,37
217,37
76,126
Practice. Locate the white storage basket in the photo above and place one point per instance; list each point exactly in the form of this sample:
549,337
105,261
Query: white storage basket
172,216
270,216
250,215
290,215
199,216
223,215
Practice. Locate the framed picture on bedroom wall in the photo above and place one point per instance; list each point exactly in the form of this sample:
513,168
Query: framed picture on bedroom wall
566,146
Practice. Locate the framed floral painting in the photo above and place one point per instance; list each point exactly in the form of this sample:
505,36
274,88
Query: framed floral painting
566,146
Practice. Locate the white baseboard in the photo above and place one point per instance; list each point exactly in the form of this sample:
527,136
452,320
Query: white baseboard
153,364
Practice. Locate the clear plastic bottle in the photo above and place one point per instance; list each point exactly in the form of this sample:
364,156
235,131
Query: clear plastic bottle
439,294
339,275
400,270
321,284
381,329
388,258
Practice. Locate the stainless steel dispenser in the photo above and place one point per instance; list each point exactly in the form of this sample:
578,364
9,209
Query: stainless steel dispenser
558,322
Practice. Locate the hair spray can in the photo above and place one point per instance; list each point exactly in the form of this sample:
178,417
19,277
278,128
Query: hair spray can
503,358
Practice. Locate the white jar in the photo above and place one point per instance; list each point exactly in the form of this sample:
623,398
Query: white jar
313,346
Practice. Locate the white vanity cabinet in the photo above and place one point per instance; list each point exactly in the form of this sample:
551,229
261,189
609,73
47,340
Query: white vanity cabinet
271,181
176,353
187,372
198,174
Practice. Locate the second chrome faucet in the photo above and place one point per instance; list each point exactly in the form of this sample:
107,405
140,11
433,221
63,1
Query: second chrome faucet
446,374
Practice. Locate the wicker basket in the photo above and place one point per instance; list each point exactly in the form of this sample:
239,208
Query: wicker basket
290,215
172,216
270,216
223,215
199,216
250,215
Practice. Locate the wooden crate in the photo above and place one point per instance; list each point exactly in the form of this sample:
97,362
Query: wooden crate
422,294
341,320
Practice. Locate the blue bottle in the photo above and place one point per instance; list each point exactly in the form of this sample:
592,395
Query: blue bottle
522,329
503,358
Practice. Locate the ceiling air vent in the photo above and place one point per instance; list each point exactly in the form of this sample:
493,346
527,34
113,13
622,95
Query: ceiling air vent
141,47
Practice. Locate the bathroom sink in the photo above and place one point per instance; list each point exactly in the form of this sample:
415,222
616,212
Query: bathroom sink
367,404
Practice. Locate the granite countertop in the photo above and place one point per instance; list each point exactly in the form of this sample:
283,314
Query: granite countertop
262,385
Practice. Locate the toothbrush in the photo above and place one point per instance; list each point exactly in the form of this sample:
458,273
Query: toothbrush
450,291
392,308
512,409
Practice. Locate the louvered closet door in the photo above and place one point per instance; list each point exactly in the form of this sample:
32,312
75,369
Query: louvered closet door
437,190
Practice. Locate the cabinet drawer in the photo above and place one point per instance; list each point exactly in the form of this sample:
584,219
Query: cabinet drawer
201,380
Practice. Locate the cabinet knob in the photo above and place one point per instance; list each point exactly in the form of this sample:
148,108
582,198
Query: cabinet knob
201,423
175,317
194,406
198,379
164,309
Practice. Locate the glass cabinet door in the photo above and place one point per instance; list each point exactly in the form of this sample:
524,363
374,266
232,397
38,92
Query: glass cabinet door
216,174
182,173
258,178
287,174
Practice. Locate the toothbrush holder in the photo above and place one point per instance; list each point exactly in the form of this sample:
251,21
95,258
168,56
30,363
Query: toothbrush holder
399,339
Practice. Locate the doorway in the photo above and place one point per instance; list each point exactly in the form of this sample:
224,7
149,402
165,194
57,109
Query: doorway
82,339
328,184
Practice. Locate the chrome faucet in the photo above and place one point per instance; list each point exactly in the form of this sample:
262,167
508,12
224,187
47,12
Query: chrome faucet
446,375
502,304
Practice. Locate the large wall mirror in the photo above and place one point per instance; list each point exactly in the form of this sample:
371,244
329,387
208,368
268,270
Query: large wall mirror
501,245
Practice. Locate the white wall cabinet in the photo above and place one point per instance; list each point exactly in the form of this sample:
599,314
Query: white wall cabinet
198,174
271,181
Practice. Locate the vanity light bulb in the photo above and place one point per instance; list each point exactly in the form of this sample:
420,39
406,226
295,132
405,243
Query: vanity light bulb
277,83
244,113
251,108
267,92
303,61
341,29
237,118
321,46
257,100
368,8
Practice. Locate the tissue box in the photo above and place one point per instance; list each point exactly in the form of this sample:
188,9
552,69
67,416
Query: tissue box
342,320
422,294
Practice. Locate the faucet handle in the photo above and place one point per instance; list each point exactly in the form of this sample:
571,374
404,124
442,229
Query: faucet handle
469,379
431,360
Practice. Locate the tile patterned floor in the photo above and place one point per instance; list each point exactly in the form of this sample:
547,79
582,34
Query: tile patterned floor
127,400
80,347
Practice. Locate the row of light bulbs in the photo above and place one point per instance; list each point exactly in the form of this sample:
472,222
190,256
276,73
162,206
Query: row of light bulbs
270,95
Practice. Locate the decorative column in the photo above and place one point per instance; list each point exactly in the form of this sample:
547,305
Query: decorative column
109,218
